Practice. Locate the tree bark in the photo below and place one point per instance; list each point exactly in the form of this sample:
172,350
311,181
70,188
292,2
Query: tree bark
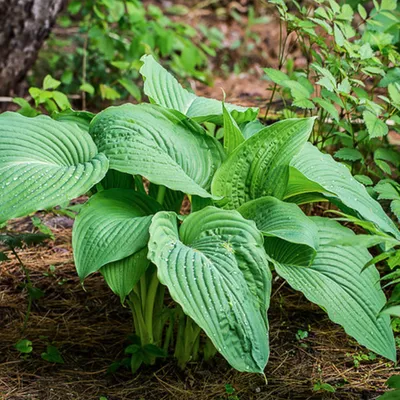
24,25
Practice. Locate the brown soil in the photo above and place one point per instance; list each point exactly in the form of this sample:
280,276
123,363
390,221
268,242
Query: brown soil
90,327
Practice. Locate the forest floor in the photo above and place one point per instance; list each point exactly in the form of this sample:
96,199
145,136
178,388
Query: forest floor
90,327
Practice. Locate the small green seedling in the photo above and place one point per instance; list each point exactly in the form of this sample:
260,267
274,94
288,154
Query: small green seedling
230,391
52,355
360,357
322,386
50,272
301,335
24,346
42,227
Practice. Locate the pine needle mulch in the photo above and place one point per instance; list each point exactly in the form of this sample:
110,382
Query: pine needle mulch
90,327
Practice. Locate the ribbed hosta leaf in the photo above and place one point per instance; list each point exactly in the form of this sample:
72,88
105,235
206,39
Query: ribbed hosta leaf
80,118
117,180
299,185
337,179
233,136
121,276
306,198
44,163
351,298
216,269
112,225
163,146
162,88
260,166
249,129
290,236
243,238
300,190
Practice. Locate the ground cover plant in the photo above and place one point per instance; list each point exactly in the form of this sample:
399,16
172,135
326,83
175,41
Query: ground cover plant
209,271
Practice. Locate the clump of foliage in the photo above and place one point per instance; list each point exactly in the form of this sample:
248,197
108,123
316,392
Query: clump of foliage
350,81
102,56
46,98
215,263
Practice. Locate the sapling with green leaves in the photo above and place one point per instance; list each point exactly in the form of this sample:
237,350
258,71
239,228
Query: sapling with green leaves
200,283
350,80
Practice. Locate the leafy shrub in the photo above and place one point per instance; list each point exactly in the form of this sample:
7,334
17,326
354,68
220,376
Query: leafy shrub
215,262
349,80
102,57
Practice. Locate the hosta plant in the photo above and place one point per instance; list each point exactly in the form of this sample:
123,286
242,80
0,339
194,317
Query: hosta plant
201,283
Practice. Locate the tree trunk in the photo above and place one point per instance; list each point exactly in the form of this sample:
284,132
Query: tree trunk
24,25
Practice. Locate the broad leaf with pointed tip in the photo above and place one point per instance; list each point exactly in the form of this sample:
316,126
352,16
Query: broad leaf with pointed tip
260,166
351,298
335,178
117,180
243,237
305,198
249,129
290,236
163,146
80,118
163,89
112,225
233,136
217,270
44,163
121,276
299,186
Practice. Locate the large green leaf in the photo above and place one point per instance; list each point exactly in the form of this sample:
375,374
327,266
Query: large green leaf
121,276
337,179
300,185
290,236
300,190
233,136
162,88
244,239
112,225
260,166
305,198
44,163
217,270
117,180
351,298
162,145
249,129
80,118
